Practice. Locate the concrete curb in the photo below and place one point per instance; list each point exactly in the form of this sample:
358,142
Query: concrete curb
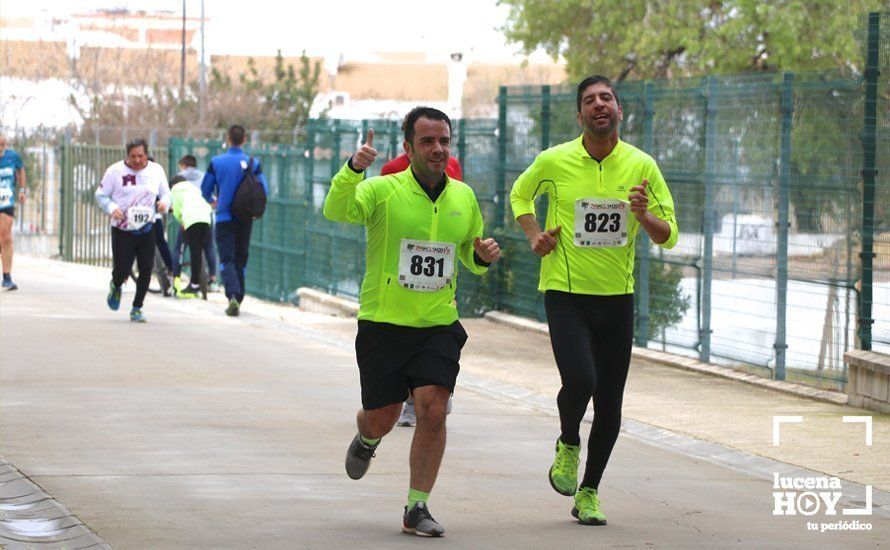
31,518
316,301
687,363
320,302
715,453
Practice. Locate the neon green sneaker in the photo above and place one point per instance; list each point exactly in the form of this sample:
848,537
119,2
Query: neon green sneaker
587,507
187,292
564,472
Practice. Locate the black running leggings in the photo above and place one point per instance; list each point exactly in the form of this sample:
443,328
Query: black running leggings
124,248
197,235
163,247
592,338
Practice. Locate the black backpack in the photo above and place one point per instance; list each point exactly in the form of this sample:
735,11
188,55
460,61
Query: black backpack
249,202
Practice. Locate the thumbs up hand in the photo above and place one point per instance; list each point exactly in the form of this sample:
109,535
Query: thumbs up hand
365,156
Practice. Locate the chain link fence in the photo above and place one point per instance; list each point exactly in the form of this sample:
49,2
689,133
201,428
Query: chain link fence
780,181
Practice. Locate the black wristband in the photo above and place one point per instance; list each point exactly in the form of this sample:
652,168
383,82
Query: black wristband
479,261
351,167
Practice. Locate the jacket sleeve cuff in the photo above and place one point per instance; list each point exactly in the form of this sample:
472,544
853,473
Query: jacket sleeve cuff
521,208
479,261
353,168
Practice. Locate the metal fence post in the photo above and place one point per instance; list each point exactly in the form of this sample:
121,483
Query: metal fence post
499,182
642,290
461,143
787,107
543,202
331,283
335,147
709,217
869,175
310,202
66,212
501,176
545,117
394,139
309,191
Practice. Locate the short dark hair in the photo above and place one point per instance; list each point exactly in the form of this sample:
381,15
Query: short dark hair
590,81
138,142
422,112
177,179
189,161
236,135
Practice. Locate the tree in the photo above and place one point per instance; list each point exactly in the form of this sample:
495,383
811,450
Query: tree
659,39
667,303
289,97
281,105
278,104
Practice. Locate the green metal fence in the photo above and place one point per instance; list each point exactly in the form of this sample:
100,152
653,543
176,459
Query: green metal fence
780,182
85,233
782,204
294,245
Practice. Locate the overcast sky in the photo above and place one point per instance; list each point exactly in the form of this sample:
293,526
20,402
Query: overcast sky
262,26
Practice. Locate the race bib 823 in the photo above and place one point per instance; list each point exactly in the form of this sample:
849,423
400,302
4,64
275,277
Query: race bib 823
601,222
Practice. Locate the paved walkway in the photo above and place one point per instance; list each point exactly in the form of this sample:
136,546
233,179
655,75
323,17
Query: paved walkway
200,431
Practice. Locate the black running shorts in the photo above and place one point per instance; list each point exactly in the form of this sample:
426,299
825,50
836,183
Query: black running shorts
393,359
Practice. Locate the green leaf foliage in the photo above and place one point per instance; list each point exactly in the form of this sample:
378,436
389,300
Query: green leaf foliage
644,39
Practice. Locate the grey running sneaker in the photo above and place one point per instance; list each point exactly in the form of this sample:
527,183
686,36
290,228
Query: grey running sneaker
408,418
418,521
358,457
234,308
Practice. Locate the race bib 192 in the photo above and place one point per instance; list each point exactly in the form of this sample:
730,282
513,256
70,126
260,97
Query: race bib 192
601,223
138,216
426,266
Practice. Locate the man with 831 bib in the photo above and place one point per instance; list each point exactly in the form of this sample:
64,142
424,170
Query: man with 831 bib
131,192
601,192
420,225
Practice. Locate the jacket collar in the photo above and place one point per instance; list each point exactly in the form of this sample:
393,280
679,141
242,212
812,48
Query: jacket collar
419,188
579,148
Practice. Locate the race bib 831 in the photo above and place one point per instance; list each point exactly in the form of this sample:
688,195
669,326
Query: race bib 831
426,266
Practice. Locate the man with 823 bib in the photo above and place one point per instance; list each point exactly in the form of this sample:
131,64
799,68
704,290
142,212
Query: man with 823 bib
602,192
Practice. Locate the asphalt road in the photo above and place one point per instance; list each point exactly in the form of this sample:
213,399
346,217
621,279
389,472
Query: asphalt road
200,431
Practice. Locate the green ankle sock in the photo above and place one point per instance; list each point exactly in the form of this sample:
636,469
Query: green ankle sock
415,496
370,442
